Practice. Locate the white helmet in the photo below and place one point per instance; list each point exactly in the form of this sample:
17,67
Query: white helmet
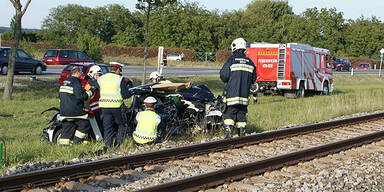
94,70
154,75
238,43
150,100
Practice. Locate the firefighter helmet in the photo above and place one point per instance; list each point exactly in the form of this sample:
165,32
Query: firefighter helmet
154,75
150,102
116,64
94,70
238,44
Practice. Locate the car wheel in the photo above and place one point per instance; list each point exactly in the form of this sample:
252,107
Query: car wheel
38,70
57,136
177,59
4,70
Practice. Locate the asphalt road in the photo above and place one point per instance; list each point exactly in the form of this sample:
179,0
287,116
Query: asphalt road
131,71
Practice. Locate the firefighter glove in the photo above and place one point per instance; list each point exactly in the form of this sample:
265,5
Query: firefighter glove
253,89
94,89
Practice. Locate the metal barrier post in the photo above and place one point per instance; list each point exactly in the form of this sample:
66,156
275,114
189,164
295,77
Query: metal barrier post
1,153
381,63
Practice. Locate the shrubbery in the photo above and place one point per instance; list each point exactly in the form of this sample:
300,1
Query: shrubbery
90,44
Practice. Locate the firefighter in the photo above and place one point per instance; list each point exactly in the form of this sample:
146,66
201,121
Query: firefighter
75,119
94,110
239,74
155,77
147,123
113,90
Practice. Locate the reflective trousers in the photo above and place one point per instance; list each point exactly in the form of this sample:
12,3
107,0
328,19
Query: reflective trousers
78,128
236,114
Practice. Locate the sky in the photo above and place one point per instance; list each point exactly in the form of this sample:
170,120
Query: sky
39,9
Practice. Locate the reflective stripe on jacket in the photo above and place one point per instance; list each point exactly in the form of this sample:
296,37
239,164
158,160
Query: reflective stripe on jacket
238,73
146,129
72,96
94,100
110,91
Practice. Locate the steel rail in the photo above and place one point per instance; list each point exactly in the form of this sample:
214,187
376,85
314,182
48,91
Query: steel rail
239,172
83,170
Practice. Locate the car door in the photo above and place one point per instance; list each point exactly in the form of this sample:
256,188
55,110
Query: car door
72,55
83,57
64,60
18,62
26,63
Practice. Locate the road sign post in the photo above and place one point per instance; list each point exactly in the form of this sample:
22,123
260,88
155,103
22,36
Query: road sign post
381,60
160,63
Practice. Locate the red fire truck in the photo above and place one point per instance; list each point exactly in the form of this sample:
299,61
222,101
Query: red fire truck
292,69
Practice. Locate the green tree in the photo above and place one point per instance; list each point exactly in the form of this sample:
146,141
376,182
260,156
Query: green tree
63,22
131,36
261,17
147,6
182,25
364,37
91,44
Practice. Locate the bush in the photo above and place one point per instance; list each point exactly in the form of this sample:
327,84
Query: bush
116,50
356,60
90,44
223,55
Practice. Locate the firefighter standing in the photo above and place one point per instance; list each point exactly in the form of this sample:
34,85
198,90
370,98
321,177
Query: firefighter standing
239,74
75,120
147,123
113,90
94,109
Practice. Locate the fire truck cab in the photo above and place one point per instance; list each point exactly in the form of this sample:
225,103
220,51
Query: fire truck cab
292,69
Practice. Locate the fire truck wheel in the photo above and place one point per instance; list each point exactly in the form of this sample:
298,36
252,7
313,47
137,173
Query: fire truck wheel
301,91
325,89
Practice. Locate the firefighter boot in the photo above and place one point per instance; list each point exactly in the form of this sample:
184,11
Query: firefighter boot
228,131
241,131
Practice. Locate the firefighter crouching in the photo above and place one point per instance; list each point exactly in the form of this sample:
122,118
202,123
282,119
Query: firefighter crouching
75,120
113,90
147,123
94,110
155,77
239,74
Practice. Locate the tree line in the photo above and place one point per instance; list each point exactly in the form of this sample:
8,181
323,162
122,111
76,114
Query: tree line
188,25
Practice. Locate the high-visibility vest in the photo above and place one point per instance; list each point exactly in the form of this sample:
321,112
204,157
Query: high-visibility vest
146,129
165,81
110,92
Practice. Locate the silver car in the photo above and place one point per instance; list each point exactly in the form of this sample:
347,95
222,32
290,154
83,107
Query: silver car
174,57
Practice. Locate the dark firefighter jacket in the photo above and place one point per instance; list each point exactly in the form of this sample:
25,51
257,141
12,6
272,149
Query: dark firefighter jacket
238,73
72,96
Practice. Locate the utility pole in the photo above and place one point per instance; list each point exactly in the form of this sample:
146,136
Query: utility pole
0,39
381,59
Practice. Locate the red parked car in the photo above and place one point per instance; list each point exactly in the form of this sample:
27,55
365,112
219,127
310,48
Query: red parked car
65,57
85,68
364,66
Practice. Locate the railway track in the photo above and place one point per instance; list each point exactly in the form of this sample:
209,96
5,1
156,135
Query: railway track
271,153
